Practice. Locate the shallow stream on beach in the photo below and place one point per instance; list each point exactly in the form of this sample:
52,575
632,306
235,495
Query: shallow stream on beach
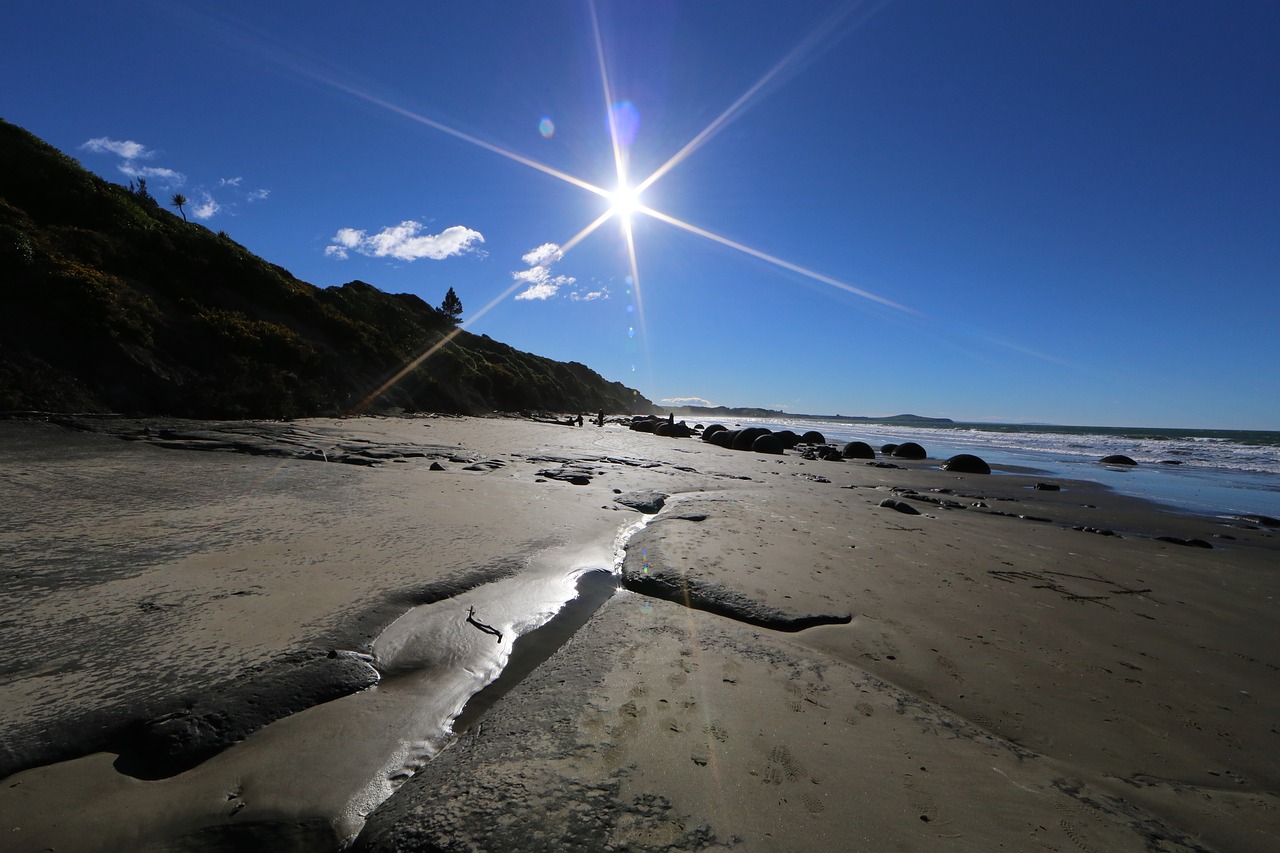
434,659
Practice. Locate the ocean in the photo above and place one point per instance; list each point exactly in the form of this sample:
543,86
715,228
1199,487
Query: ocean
1218,472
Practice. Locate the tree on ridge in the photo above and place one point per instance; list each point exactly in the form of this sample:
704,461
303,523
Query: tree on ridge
452,306
178,201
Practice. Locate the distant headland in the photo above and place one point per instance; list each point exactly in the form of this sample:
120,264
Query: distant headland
751,412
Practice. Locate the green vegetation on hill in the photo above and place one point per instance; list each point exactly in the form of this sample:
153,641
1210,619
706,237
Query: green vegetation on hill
111,303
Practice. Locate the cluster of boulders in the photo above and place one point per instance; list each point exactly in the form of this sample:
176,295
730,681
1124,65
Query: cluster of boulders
810,445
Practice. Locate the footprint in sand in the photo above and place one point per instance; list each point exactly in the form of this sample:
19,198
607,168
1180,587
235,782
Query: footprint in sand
1068,827
922,802
717,730
782,766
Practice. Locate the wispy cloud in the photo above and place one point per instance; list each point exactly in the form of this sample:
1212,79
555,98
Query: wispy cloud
688,401
168,177
206,208
404,242
130,153
542,285
589,295
126,148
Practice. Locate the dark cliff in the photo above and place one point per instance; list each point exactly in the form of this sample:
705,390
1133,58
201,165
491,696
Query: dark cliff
111,303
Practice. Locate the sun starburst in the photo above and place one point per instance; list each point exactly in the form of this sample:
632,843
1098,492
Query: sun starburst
624,202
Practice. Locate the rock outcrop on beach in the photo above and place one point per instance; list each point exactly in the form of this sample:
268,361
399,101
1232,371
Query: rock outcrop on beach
110,303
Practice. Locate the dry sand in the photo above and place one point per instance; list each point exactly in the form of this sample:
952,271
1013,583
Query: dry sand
987,682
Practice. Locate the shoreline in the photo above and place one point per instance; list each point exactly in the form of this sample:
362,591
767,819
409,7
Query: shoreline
799,537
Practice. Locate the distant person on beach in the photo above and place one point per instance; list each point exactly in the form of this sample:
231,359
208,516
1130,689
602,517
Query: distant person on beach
671,418
600,419
579,419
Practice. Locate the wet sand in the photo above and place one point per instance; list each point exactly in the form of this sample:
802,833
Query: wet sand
981,675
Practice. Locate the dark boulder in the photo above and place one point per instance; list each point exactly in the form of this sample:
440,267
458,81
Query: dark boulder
813,437
645,424
966,463
788,438
768,443
858,450
747,437
670,430
909,450
724,438
887,449
1048,487
1117,459
712,430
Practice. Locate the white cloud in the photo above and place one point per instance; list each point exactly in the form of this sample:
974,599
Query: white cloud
540,291
258,195
126,148
404,242
542,284
168,177
688,401
543,256
206,208
229,182
590,296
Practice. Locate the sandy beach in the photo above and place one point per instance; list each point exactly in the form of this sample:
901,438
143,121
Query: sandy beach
256,636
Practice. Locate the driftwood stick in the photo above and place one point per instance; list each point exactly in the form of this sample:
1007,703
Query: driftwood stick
488,629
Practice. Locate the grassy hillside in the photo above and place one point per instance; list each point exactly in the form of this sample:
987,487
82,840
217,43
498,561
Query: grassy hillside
111,303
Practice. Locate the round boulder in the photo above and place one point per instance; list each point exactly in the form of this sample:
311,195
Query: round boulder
858,450
788,438
724,437
1117,459
747,437
887,449
909,450
813,437
966,463
768,443
712,430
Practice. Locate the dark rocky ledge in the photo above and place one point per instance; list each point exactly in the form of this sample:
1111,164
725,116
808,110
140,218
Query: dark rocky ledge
722,601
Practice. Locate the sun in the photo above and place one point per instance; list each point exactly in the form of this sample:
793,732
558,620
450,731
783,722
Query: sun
624,201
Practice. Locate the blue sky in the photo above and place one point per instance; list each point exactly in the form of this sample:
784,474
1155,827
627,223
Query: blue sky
1060,212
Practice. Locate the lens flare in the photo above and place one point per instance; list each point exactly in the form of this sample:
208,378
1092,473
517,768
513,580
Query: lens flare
547,127
624,120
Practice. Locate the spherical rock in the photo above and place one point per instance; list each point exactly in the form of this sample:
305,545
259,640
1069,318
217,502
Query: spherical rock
887,449
789,439
724,438
1117,459
909,450
813,437
663,429
858,450
712,430
966,463
644,424
747,437
768,443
